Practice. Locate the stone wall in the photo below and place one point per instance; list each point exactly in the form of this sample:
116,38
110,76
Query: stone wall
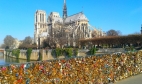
34,55
46,55
23,55
111,50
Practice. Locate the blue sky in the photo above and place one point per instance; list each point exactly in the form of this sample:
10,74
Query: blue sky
17,16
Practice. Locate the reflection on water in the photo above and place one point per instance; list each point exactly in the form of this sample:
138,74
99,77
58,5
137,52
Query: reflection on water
9,60
2,62
1,59
1,54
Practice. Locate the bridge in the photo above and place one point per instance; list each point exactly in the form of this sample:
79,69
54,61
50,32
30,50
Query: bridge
2,51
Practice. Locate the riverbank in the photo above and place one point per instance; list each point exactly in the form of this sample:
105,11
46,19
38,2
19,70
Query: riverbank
47,54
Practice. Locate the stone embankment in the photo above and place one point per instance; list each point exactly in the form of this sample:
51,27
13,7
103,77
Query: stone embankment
46,54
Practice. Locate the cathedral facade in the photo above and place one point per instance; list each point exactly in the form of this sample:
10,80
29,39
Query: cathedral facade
65,30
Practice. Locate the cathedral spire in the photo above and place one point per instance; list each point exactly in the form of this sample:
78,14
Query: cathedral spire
64,10
64,1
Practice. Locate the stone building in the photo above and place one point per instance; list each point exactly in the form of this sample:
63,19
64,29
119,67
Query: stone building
41,28
66,28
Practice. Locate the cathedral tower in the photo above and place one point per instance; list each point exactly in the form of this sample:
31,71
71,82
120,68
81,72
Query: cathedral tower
64,10
40,25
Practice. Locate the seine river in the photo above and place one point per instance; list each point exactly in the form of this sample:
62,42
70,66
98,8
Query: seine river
7,60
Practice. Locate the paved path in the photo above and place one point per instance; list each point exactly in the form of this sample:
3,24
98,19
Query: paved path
131,80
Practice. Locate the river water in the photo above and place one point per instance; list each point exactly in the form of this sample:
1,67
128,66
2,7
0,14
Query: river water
7,60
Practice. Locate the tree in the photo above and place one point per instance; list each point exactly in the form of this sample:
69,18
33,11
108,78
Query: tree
8,41
113,33
135,33
27,40
119,33
27,43
45,43
2,46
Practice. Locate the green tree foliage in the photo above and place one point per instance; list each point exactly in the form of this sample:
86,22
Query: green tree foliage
69,52
16,53
29,51
58,52
93,50
131,48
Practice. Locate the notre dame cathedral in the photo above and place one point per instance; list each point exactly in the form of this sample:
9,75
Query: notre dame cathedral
65,30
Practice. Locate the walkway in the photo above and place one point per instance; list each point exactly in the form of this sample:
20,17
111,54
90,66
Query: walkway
131,80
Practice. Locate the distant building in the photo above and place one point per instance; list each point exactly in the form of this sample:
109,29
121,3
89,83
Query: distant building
72,27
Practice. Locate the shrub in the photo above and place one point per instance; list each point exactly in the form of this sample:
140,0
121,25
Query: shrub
29,51
58,52
131,48
69,52
75,52
16,53
93,51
